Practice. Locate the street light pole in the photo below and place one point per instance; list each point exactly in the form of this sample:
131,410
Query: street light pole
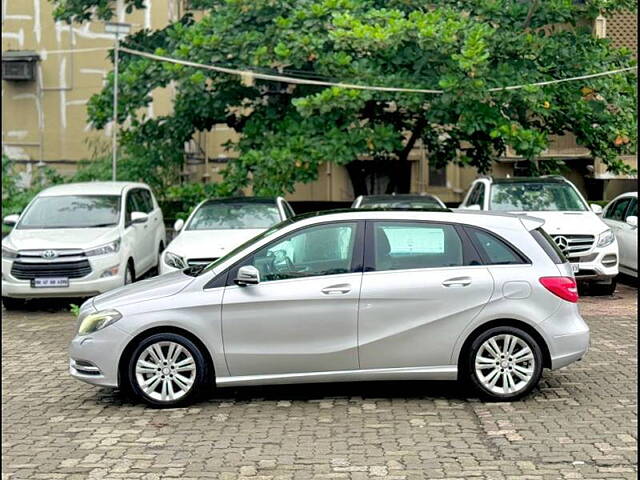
114,135
117,28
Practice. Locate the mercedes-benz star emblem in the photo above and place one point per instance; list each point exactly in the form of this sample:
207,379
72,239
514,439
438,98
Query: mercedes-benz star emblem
49,254
562,242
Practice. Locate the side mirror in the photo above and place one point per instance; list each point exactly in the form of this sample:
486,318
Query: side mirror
597,209
633,221
11,220
473,207
139,217
247,275
178,225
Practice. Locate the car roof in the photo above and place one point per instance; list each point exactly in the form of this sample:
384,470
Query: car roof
471,217
401,196
543,179
90,188
262,200
628,194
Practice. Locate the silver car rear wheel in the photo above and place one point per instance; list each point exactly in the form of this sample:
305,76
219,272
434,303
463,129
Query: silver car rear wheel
165,371
505,364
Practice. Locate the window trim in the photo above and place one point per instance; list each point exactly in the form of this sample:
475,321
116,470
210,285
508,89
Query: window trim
470,256
356,260
485,259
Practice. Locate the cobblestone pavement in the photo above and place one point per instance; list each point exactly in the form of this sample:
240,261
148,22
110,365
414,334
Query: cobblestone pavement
581,423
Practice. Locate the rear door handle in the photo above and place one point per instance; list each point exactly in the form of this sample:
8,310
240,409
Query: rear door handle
337,289
457,282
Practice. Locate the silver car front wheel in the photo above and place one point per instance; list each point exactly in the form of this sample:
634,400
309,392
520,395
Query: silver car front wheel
165,371
168,369
505,363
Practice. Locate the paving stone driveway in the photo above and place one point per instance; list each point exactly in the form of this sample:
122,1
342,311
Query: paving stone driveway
581,423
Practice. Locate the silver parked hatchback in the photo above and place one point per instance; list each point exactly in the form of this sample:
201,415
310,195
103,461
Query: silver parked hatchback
341,296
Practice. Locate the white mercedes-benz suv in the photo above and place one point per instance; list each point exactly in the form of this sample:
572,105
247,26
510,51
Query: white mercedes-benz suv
583,237
80,240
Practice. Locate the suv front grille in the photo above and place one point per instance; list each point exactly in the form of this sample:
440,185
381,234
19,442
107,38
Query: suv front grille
29,271
574,244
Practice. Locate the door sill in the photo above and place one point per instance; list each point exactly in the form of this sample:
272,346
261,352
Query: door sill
446,372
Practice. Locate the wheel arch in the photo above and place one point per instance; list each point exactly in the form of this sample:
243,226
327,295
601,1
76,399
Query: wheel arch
503,322
130,347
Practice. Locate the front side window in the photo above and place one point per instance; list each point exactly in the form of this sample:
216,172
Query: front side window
633,209
617,212
410,245
133,204
494,250
146,201
315,251
538,197
72,211
234,216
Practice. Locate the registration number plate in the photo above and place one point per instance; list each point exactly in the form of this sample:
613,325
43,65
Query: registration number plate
53,282
575,267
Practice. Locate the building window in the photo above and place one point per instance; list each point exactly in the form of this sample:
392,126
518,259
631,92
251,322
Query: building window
437,176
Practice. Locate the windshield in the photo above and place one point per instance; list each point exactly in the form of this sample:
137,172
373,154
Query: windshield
200,269
404,203
72,211
540,197
232,216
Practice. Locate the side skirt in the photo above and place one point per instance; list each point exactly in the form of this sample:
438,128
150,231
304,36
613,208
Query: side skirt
446,372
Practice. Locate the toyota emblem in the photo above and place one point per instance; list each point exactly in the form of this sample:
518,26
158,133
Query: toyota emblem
562,242
49,254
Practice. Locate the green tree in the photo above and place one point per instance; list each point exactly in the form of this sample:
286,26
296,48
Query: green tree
463,47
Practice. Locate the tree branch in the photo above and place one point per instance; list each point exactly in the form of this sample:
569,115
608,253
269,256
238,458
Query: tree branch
417,131
532,9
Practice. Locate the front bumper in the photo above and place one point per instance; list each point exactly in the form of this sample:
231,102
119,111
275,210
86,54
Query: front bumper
90,285
598,264
94,358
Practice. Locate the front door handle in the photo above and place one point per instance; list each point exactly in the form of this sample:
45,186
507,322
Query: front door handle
457,282
337,289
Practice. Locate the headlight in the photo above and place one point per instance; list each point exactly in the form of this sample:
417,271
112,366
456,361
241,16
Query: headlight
605,238
112,247
97,321
174,260
6,253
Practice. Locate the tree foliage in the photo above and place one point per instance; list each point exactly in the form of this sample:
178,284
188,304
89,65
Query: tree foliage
462,47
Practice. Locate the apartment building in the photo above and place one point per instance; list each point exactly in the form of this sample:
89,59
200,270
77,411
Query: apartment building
51,69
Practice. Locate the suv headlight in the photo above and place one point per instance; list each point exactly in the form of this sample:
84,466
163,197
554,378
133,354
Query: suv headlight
11,254
111,247
605,238
175,261
93,322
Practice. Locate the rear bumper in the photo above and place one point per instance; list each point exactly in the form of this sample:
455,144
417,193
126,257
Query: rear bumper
568,335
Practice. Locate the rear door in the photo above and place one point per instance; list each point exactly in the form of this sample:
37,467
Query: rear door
423,284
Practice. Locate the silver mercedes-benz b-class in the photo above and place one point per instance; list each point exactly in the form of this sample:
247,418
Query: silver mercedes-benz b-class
341,296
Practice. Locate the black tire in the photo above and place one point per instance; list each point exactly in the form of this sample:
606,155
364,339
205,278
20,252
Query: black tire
201,378
604,289
131,272
13,303
475,381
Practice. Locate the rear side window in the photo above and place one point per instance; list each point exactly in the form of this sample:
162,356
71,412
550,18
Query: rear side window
549,246
494,250
411,245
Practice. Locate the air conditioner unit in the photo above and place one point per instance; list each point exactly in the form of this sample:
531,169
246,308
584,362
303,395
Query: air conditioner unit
19,66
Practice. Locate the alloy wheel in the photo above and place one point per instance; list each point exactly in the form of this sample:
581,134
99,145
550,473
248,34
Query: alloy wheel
165,371
505,364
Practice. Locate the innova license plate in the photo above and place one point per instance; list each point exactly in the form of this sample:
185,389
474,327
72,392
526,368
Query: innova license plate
53,282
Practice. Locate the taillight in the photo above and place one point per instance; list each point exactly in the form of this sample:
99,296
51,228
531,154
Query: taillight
564,287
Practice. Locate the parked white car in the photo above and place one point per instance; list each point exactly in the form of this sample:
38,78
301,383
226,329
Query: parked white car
621,215
588,243
215,227
80,240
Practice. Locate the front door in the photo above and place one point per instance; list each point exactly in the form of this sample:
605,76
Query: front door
302,316
419,290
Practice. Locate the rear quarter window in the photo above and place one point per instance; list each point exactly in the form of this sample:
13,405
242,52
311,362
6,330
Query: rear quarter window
494,250
549,246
